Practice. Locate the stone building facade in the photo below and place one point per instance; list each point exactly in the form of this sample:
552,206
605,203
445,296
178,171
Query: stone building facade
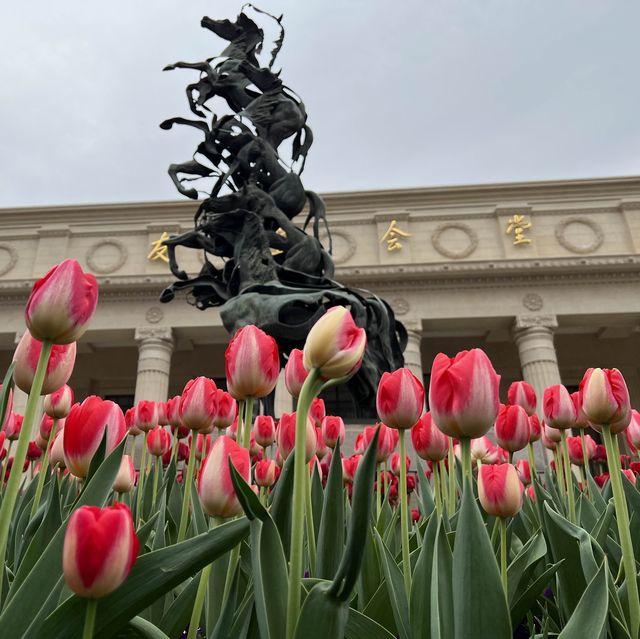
544,276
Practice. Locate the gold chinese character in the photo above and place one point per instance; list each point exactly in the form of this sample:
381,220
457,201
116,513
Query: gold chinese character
158,250
517,225
392,236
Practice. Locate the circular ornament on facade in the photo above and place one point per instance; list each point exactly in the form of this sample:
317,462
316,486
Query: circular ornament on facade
400,306
8,258
106,256
344,246
532,301
579,235
455,240
154,315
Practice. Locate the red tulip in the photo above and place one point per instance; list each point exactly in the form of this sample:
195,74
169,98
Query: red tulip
522,394
197,404
635,467
335,345
349,468
535,428
129,422
602,479
232,431
575,449
581,418
225,409
84,429
59,403
215,488
400,399
59,368
265,473
531,493
46,425
145,415
395,464
512,427
321,448
252,363
559,411
286,436
333,430
3,450
358,445
415,515
524,471
605,398
633,432
14,426
600,454
629,475
387,441
203,445
180,432
264,430
463,394
172,411
294,372
183,452
61,304
499,490
34,451
158,441
126,478
317,412
100,548
429,442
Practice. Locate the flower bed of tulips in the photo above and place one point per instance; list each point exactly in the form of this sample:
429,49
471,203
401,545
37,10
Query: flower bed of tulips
267,530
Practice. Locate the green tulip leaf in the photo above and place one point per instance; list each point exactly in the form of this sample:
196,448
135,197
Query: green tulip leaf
420,601
441,605
177,616
359,626
281,503
323,615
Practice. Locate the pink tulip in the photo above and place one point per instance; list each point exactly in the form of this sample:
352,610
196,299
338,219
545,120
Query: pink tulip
145,415
252,363
317,412
333,430
61,304
463,394
59,403
522,394
605,398
264,430
129,422
13,426
550,437
215,488
34,451
84,429
335,345
295,373
633,432
197,404
158,441
358,445
535,429
500,490
387,441
429,442
203,445
349,468
56,452
581,419
172,412
286,436
265,473
395,464
400,399
126,478
225,409
59,368
524,471
512,427
483,450
574,445
629,474
232,431
46,425
100,548
321,448
559,411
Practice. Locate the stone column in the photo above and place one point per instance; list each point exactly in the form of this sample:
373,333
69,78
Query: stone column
155,346
283,402
412,354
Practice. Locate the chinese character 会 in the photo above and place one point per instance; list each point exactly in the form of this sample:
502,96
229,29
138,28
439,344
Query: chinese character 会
392,236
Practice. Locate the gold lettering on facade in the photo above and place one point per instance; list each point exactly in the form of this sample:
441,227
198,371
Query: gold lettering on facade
158,250
392,236
517,225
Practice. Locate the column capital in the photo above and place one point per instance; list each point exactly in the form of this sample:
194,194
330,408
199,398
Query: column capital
146,333
413,325
523,322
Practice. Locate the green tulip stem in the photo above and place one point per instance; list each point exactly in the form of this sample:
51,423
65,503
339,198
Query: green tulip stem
465,452
44,467
156,472
451,462
309,390
174,447
404,516
622,517
248,419
141,476
445,487
437,488
187,481
532,461
503,555
585,468
571,499
90,619
311,533
196,613
15,476
240,428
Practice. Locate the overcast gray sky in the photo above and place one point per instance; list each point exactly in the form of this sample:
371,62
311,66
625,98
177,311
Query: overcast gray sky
410,93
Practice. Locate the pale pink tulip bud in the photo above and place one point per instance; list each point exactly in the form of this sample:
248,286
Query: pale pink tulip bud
59,368
395,463
232,431
294,372
512,427
225,409
59,403
252,363
158,441
317,412
484,450
551,437
605,398
524,471
333,430
265,473
500,490
126,478
630,475
84,429
581,419
56,452
429,442
633,432
215,488
535,428
574,445
264,430
558,407
100,548
522,394
463,394
286,436
400,399
197,405
145,415
335,345
61,304
321,447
